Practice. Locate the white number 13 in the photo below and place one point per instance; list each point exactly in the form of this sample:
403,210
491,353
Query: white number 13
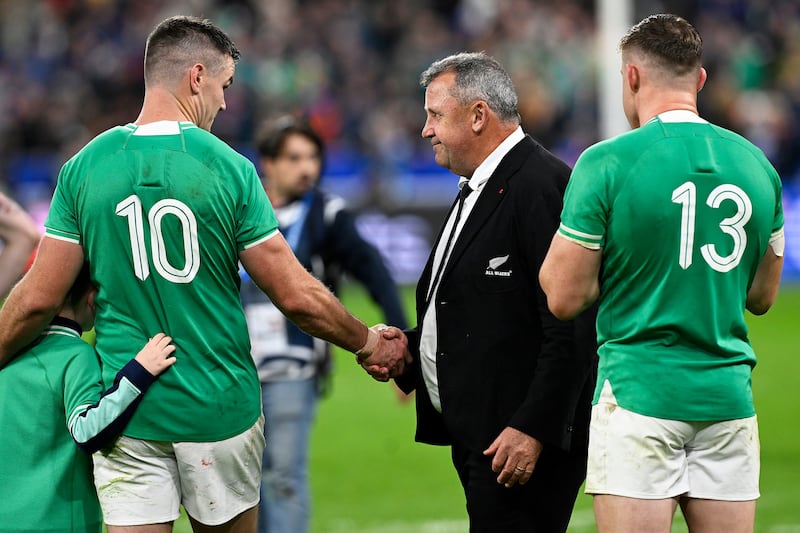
131,208
686,196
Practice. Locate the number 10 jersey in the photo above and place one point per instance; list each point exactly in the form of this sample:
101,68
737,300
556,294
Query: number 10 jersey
162,211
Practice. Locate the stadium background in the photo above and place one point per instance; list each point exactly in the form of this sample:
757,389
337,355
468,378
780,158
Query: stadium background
72,68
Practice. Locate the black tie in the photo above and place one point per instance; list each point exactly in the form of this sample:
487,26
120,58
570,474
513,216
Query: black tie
462,195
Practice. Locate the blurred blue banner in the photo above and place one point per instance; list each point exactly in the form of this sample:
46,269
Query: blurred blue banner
791,213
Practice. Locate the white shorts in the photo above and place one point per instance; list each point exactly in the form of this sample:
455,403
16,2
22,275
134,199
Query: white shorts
145,482
653,458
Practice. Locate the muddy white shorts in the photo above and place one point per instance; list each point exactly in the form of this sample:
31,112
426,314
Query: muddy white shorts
653,458
145,482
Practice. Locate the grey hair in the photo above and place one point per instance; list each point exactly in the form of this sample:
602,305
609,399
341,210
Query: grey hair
478,77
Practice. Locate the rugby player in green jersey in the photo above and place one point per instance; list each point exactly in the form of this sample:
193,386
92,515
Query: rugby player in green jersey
164,211
677,228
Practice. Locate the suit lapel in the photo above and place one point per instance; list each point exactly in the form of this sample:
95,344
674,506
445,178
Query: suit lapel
493,193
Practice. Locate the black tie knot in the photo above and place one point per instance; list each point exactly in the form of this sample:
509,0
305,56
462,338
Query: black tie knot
465,191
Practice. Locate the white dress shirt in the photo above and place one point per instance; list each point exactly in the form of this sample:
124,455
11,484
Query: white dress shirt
428,341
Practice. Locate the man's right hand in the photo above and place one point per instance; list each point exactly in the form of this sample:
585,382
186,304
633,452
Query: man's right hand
390,356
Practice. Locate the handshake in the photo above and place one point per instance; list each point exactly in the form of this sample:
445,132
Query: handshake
385,355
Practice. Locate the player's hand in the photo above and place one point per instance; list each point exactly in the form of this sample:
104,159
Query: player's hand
158,354
515,455
14,220
390,356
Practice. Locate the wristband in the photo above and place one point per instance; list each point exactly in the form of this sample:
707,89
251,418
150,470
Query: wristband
369,346
373,335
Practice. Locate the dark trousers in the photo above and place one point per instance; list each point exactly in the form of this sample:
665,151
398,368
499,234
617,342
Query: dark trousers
543,505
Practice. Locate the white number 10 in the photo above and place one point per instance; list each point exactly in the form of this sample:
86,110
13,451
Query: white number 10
686,195
131,208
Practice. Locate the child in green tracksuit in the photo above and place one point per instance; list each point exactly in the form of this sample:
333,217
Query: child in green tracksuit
51,398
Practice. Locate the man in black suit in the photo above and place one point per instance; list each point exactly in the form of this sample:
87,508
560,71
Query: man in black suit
497,376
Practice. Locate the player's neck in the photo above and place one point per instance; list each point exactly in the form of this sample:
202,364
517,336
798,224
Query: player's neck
668,101
159,104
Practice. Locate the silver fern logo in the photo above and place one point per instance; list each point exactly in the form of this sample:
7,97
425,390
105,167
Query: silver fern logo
495,263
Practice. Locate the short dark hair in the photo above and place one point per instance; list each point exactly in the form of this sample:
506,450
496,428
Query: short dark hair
667,39
272,135
180,40
81,285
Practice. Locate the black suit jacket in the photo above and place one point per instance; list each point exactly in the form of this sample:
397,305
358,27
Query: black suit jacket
502,358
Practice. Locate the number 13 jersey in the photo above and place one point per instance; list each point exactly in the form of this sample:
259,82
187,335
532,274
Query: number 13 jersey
682,212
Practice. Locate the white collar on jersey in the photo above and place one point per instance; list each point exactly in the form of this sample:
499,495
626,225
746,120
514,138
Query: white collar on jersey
680,115
162,127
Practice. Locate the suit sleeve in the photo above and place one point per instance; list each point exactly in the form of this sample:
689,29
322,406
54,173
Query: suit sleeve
411,377
567,352
95,424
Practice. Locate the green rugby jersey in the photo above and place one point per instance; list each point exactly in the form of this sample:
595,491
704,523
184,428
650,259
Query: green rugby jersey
162,211
45,480
683,211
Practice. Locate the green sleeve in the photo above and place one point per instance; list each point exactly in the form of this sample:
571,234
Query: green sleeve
62,220
584,218
256,217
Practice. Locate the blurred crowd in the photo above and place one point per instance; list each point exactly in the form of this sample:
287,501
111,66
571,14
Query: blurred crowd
72,68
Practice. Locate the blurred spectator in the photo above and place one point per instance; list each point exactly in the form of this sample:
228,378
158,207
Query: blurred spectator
293,367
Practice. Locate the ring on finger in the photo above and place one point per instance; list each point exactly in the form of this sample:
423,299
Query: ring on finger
519,469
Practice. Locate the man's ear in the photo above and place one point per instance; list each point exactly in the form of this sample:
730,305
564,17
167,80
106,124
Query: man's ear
632,77
479,114
196,75
701,80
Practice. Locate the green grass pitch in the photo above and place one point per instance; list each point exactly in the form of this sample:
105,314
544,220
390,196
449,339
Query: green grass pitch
368,476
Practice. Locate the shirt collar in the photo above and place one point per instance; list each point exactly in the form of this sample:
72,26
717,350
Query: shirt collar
63,326
162,127
489,165
680,115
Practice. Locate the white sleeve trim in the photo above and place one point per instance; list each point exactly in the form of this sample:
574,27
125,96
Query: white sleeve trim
62,238
777,242
262,239
588,245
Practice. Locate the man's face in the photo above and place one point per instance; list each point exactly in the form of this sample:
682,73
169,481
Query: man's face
448,125
296,169
212,93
